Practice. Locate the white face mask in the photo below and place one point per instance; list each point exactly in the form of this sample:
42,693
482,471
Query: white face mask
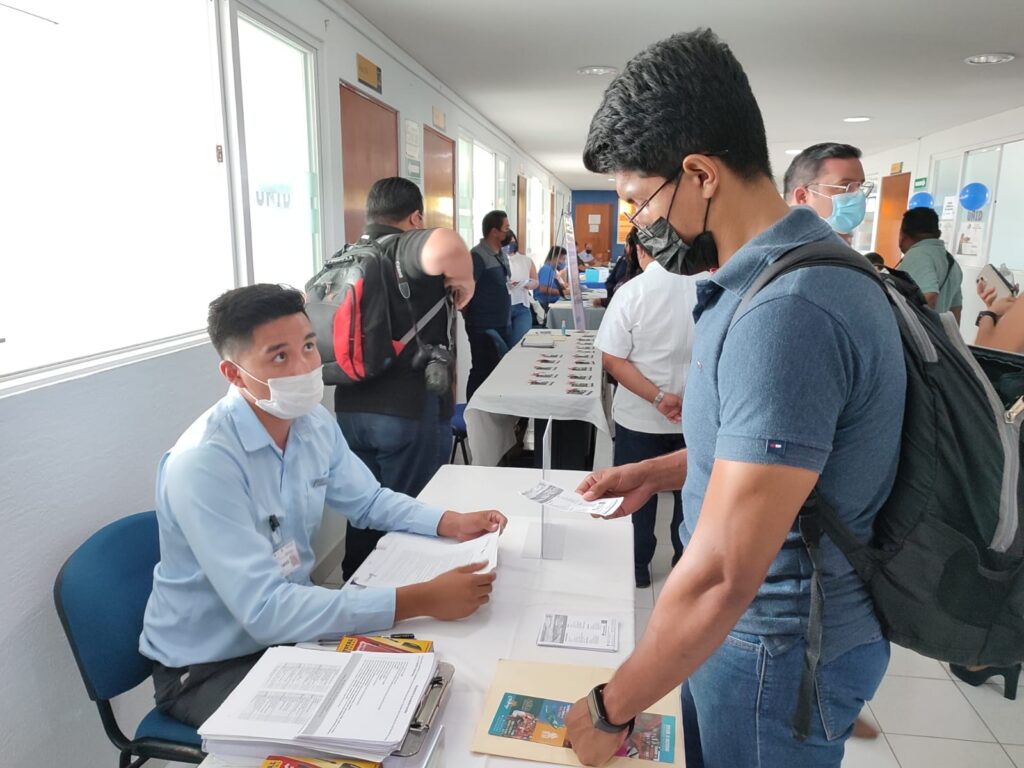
292,396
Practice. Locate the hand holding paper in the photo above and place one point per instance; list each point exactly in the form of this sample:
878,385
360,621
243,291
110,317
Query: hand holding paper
566,501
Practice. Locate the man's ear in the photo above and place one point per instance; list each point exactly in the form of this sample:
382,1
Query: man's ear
230,372
801,196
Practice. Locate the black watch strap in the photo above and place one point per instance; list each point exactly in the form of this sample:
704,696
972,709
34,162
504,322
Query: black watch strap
599,716
987,313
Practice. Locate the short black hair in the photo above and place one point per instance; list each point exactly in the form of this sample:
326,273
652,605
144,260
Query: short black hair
875,259
921,223
684,95
493,220
554,252
392,199
807,165
234,315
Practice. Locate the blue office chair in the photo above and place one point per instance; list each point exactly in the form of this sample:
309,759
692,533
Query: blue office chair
460,433
101,594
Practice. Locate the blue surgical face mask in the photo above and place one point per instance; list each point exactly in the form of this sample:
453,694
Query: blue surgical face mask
848,211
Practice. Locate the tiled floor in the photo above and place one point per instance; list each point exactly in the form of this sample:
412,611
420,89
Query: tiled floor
927,718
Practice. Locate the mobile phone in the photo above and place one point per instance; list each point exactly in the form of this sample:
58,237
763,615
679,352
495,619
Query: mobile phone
993,278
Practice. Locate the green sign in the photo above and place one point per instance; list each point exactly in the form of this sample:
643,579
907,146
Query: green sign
921,183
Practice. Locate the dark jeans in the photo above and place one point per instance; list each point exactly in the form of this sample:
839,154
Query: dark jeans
484,357
522,322
191,694
631,446
403,454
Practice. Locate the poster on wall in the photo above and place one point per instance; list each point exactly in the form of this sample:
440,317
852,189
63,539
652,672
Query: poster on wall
625,211
971,235
948,208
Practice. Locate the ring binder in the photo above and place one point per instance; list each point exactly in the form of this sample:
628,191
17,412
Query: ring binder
426,713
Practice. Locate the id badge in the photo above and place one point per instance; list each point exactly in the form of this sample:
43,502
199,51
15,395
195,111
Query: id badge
288,559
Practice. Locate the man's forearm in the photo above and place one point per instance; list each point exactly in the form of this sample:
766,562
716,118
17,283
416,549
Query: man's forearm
629,376
666,473
671,650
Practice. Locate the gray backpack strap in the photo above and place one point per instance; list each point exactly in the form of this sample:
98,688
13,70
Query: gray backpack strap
817,254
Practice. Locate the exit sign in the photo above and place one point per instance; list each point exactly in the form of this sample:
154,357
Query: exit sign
921,183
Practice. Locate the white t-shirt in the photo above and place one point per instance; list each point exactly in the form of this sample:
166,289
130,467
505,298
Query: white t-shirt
519,265
650,323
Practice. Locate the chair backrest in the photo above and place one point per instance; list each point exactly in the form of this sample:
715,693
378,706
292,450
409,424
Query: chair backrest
101,594
499,342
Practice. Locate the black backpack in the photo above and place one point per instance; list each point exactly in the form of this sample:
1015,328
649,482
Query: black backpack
945,564
349,305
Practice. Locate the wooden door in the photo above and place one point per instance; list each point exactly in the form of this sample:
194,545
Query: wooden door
892,203
553,220
590,217
438,179
521,211
369,151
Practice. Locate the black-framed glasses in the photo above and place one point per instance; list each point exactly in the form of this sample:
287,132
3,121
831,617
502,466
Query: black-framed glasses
640,208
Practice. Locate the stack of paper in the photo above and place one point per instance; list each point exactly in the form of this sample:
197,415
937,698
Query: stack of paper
563,500
401,559
317,704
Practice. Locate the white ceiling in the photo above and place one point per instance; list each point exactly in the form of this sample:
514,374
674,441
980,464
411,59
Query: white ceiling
810,63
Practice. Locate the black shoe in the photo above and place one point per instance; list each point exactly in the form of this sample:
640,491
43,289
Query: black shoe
642,576
1010,677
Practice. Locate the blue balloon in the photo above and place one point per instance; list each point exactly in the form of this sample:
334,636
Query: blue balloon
974,196
922,200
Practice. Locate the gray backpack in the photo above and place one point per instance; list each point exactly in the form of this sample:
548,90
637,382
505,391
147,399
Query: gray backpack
945,564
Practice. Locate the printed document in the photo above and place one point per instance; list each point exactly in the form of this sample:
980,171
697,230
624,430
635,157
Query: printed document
401,559
587,633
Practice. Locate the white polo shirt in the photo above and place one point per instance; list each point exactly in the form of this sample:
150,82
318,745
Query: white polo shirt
650,323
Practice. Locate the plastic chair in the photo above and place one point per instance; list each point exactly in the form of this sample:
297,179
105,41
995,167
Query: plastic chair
460,433
101,594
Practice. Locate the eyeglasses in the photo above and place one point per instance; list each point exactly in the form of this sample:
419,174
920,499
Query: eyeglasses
829,190
640,208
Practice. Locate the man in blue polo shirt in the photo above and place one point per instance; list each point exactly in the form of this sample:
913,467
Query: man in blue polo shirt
804,389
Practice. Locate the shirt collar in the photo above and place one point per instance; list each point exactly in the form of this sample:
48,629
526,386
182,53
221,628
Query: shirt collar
483,244
251,431
931,242
801,225
377,231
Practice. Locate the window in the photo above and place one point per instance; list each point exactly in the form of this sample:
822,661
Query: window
116,220
1005,245
483,188
947,177
864,234
974,227
465,192
276,76
501,193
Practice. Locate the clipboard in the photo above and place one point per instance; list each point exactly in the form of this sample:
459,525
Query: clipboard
426,714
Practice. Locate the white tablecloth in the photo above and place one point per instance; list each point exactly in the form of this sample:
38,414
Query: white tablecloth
562,312
595,575
507,395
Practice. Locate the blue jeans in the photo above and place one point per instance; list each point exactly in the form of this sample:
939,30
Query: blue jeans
522,321
403,454
742,699
631,446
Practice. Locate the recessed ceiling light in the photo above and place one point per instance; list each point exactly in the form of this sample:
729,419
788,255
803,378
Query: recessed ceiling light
989,58
610,179
856,119
597,69
793,151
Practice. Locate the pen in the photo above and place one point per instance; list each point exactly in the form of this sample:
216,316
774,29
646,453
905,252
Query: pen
402,636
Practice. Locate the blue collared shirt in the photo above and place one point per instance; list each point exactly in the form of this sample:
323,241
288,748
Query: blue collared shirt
218,592
811,375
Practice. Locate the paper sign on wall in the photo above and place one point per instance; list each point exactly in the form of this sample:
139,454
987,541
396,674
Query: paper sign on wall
368,73
949,208
594,218
412,137
595,227
438,118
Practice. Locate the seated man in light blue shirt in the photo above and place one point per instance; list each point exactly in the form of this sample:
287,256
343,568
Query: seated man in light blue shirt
239,501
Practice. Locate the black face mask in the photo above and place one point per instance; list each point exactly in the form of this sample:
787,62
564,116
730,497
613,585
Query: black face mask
507,238
667,247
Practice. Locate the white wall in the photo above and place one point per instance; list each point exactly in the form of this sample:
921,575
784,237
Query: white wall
917,157
77,455
83,452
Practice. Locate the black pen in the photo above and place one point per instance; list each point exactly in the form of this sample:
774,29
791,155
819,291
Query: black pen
402,636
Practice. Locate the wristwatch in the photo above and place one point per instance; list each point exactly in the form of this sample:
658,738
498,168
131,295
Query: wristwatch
658,398
598,716
987,313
